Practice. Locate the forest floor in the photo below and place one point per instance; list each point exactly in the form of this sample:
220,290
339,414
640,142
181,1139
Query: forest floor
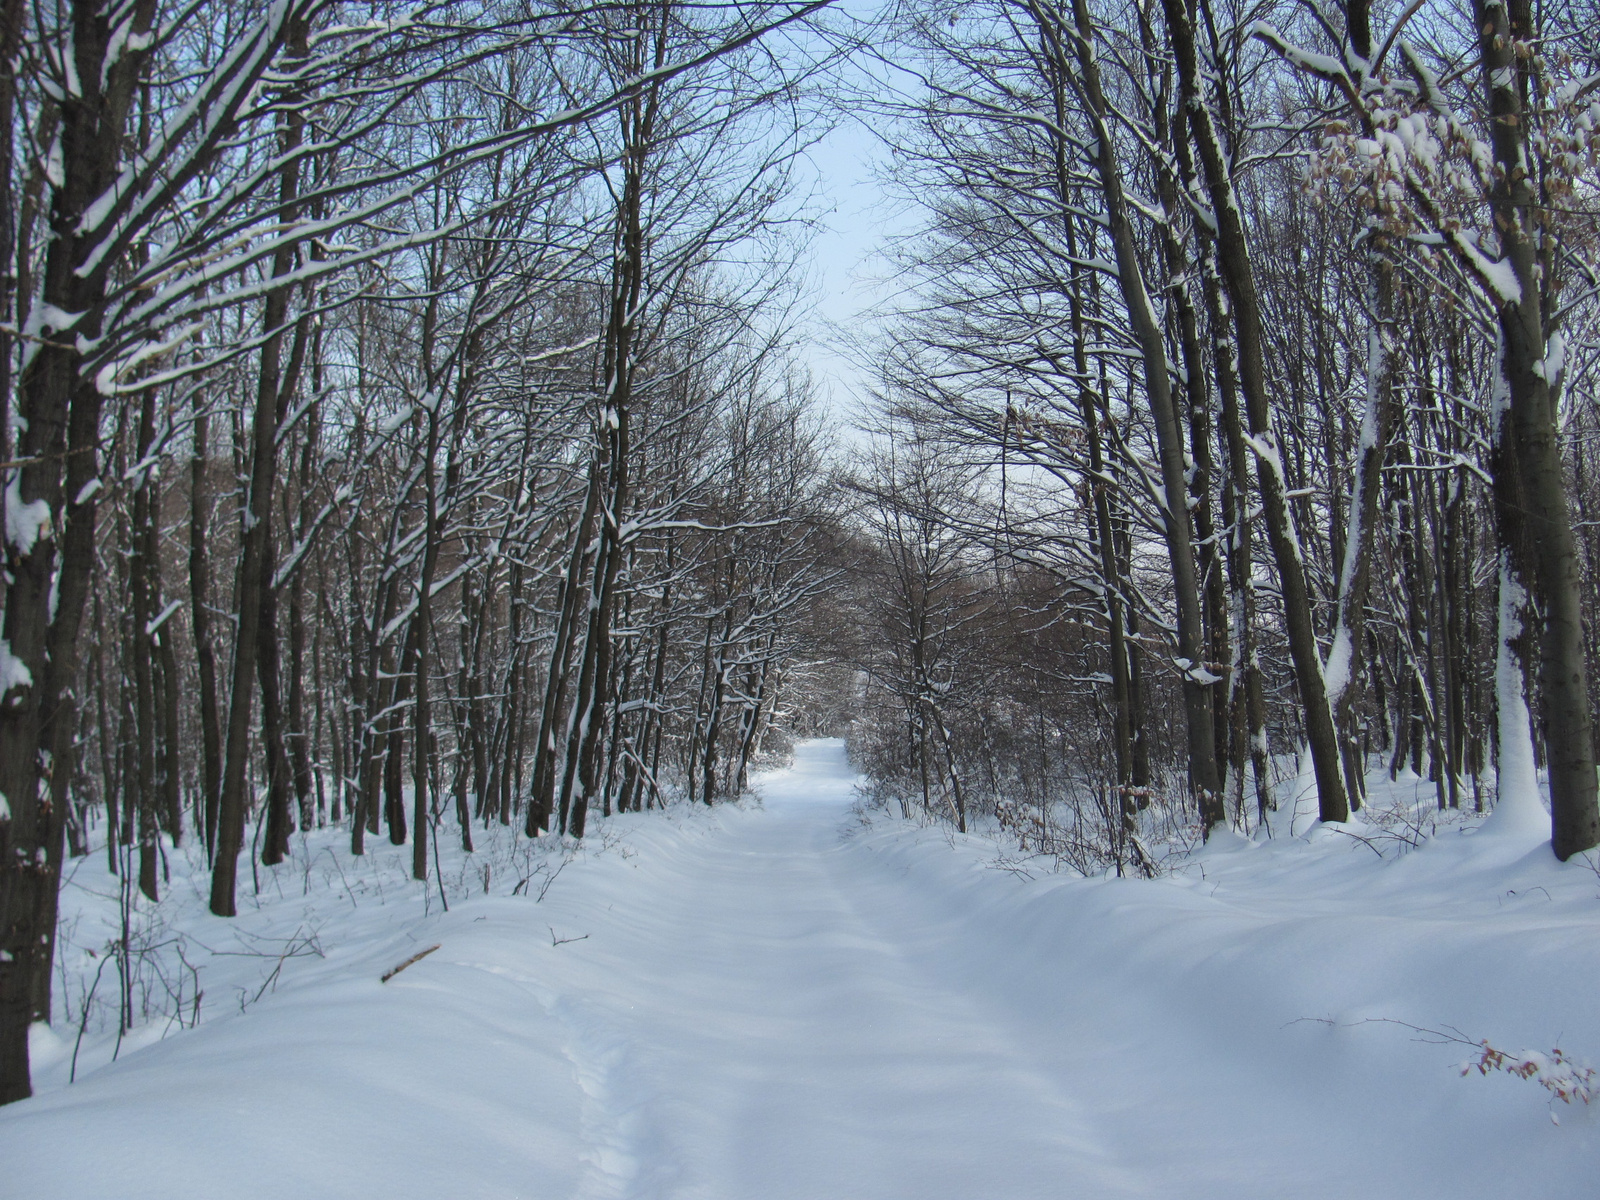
797,998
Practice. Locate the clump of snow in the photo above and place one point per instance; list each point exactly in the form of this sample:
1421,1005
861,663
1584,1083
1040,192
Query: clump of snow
1339,654
25,523
13,671
395,421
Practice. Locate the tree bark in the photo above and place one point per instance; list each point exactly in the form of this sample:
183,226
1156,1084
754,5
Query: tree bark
1197,681
48,567
1233,258
1532,517
255,567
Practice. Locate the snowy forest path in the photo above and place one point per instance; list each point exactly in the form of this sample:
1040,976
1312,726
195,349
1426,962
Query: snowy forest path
797,1000
785,1047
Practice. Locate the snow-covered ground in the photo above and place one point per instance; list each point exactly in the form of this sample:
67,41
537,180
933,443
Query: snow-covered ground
795,1000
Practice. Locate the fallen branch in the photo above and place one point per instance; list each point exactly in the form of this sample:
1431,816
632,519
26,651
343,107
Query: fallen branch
417,957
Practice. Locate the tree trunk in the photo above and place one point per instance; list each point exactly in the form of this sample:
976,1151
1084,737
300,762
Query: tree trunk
1233,258
254,567
280,822
541,798
1538,552
51,511
1197,681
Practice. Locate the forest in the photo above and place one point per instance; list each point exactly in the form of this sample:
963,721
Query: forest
409,429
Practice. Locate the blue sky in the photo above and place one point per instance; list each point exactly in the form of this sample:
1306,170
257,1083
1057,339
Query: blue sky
846,263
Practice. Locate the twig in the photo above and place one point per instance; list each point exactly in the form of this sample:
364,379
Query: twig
438,871
1009,865
417,957
72,1076
555,941
551,877
1565,1079
338,867
1364,841
1527,892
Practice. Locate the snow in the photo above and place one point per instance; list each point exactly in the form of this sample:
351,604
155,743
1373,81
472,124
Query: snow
810,999
54,169
1519,811
25,523
395,421
1196,671
54,319
13,671
1339,654
161,618
1552,366
1498,275
1324,65
106,380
